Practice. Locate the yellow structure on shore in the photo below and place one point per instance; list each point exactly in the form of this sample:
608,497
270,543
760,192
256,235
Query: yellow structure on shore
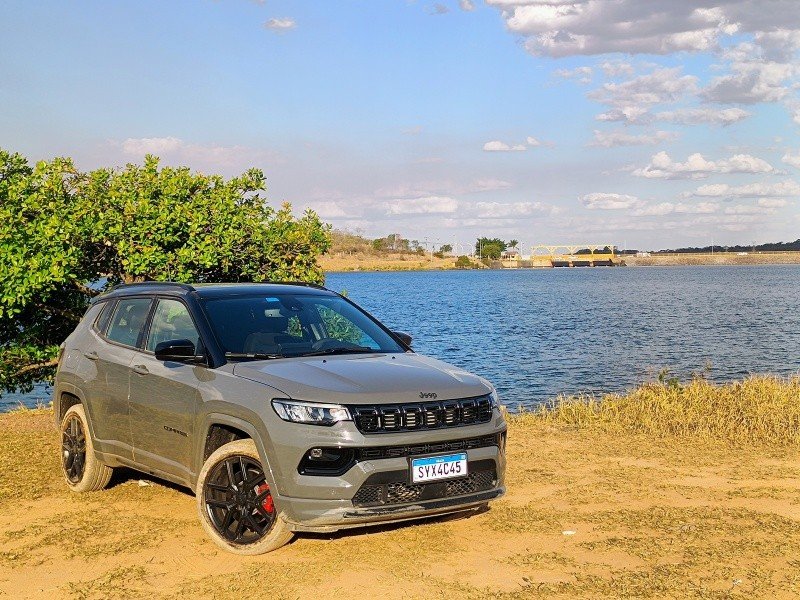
575,256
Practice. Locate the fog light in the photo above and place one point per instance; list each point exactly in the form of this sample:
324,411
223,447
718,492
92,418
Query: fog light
315,453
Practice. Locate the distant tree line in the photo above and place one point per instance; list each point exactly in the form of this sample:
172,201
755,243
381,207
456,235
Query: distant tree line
770,247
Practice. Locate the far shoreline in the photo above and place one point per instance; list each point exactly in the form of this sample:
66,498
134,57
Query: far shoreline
416,263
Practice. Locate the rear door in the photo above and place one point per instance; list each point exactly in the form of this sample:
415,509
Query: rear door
113,357
164,395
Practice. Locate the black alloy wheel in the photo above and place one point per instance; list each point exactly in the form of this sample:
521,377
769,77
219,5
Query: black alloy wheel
238,500
73,449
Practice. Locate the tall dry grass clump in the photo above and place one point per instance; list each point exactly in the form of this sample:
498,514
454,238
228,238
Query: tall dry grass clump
759,409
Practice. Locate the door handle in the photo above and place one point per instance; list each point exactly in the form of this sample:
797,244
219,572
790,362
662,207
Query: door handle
140,369
91,355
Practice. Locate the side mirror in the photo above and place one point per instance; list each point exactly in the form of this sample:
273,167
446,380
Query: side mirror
177,350
404,337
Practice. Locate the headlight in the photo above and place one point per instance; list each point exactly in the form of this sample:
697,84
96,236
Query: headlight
310,413
494,399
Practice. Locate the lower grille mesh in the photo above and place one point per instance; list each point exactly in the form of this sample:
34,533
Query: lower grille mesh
399,492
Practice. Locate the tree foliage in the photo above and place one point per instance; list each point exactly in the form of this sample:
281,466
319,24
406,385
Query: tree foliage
490,248
65,235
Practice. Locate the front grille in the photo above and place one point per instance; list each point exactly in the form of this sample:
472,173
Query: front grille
378,452
393,488
428,415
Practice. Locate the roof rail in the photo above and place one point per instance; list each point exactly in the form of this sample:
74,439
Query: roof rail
300,283
183,286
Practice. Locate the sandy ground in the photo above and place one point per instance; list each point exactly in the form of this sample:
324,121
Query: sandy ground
587,515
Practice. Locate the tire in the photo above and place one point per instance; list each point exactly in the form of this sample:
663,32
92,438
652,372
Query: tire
242,519
80,467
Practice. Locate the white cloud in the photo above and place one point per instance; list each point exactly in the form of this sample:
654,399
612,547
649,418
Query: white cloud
792,159
750,190
751,82
696,167
696,116
569,27
280,24
489,185
772,202
612,139
428,205
500,210
498,146
630,100
197,155
415,130
467,5
617,68
438,9
626,114
156,145
667,208
659,86
581,74
779,45
606,201
330,210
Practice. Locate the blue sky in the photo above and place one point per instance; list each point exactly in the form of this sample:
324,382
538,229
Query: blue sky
650,124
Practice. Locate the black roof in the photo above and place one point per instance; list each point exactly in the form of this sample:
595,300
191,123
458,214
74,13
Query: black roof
211,290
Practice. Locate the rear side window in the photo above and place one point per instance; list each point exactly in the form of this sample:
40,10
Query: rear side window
102,320
128,321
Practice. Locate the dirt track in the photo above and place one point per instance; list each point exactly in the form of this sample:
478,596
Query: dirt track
587,515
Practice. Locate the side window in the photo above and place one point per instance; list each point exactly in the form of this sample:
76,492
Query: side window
104,317
128,320
342,329
171,321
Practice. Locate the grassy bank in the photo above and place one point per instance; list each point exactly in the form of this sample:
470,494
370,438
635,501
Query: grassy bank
339,262
670,491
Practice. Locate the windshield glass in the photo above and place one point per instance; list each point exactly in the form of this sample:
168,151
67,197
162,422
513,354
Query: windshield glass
286,325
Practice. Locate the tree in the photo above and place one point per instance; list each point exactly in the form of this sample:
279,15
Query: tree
513,244
463,262
445,248
65,236
490,248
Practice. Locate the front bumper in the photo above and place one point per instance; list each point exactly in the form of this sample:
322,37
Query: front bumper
379,490
320,517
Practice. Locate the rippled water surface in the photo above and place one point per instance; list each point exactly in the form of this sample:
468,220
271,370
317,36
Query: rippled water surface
538,333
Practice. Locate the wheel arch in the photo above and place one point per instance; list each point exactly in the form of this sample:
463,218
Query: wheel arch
216,422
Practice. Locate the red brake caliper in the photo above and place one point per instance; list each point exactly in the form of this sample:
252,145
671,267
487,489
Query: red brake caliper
267,503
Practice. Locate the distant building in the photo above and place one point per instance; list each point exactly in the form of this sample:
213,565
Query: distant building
510,254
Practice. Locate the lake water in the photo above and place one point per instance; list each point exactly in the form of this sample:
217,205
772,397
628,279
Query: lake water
539,333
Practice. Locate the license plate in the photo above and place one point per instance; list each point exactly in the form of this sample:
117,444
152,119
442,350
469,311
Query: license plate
434,468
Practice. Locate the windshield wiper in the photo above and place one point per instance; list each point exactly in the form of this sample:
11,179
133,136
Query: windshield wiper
329,351
252,356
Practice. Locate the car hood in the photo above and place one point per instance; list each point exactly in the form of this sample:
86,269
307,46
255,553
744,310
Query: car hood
365,378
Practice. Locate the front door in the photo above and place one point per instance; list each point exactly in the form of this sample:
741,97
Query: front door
164,396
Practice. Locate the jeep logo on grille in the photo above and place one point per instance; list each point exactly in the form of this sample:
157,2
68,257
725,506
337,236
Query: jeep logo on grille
425,395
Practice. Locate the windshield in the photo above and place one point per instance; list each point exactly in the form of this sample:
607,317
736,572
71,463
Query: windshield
287,325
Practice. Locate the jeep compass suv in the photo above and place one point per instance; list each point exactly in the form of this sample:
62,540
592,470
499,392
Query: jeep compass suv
285,407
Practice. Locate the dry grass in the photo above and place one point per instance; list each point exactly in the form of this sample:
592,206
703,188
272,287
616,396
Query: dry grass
667,492
761,410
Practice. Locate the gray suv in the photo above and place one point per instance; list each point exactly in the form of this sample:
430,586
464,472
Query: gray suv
285,407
